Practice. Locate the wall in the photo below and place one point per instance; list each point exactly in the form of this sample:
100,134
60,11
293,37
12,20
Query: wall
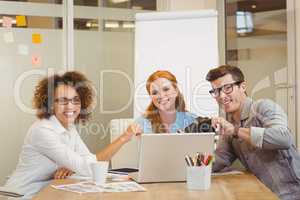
14,120
95,51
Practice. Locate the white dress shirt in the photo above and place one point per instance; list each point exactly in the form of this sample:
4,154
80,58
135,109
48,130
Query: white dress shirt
48,146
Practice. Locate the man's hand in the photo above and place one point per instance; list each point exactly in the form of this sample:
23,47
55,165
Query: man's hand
222,126
62,173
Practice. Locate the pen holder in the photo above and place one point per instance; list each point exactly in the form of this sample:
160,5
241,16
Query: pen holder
198,177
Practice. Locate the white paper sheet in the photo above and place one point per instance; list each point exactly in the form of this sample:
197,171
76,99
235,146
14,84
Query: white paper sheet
90,187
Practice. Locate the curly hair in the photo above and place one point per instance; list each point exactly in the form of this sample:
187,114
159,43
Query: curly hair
152,113
44,94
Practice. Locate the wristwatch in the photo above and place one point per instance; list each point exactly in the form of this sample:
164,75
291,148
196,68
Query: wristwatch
236,131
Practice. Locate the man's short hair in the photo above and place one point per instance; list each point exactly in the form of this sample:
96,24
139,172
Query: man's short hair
222,70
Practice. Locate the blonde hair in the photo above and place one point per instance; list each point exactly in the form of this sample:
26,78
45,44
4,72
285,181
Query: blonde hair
151,112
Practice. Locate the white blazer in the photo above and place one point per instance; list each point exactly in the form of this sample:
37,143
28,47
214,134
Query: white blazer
48,146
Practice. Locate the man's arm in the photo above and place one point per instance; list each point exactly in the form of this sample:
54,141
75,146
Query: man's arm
274,132
224,155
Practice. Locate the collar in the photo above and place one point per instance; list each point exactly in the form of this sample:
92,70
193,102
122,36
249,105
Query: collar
246,108
56,125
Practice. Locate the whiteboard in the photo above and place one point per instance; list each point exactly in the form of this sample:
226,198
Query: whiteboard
186,44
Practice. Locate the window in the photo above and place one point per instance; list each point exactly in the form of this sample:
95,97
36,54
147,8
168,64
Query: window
244,22
31,21
131,4
39,1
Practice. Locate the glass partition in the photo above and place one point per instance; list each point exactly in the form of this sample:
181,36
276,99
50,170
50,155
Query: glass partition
106,56
31,46
259,39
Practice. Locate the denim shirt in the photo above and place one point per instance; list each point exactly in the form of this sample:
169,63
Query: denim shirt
183,119
272,155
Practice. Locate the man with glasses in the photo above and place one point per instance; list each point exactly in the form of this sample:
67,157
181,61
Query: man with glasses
255,132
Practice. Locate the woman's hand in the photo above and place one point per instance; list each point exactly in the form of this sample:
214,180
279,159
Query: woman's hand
62,173
133,129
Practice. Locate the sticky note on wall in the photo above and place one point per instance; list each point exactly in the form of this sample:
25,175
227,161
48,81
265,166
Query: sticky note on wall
21,20
23,49
36,38
7,22
35,60
8,37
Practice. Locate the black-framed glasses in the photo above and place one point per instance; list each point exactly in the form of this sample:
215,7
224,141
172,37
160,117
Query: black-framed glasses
227,89
65,101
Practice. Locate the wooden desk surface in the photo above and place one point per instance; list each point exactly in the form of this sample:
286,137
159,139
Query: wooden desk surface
233,187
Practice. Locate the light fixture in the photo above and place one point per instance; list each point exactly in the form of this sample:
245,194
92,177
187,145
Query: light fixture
128,25
88,24
119,1
111,24
137,7
244,22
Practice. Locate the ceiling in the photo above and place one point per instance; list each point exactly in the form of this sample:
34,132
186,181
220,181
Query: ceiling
254,6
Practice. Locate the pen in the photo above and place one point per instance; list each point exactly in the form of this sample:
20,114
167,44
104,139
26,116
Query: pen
217,130
210,161
187,160
191,160
198,161
207,159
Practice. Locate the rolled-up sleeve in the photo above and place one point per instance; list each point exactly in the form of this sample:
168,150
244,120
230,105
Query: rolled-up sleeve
257,135
274,132
50,145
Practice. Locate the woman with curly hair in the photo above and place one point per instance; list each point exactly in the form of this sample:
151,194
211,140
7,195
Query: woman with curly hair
166,112
52,147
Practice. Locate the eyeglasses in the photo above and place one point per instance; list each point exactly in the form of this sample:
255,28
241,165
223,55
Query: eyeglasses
65,101
227,89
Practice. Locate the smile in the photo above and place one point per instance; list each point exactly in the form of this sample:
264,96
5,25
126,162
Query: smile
70,113
163,100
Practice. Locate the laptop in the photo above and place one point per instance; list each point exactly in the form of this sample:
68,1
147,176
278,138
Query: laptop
161,156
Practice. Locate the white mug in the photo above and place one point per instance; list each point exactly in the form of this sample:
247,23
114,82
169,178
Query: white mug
99,172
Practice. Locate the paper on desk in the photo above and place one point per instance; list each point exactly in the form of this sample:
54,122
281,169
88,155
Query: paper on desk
4,191
233,172
90,187
111,176
118,177
79,177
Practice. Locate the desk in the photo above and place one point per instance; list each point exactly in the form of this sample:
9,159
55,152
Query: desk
233,187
